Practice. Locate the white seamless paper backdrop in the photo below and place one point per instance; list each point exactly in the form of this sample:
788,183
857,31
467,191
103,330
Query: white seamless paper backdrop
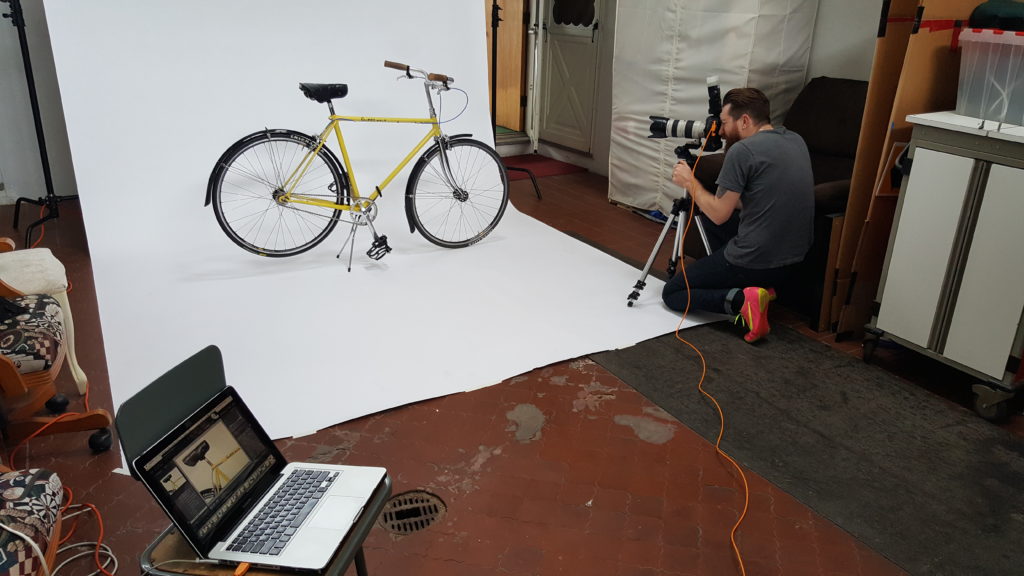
154,92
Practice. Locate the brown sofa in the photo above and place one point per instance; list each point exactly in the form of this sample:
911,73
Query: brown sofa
827,114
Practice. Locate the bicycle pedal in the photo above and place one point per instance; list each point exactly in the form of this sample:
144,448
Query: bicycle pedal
379,248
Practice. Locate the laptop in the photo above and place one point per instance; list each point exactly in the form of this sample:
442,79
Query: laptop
230,492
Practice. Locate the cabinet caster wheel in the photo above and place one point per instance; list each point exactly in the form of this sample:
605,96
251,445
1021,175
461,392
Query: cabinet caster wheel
870,345
58,404
101,440
995,412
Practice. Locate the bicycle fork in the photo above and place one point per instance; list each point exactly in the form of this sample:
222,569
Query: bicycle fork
446,170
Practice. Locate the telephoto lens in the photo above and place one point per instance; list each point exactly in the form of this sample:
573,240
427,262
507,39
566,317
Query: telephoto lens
662,127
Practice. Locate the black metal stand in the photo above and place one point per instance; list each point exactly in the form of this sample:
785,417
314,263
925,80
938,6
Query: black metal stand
52,201
495,22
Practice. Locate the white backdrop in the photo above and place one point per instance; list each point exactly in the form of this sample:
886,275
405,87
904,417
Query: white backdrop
154,92
664,52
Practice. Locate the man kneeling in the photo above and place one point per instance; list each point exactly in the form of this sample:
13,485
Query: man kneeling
766,177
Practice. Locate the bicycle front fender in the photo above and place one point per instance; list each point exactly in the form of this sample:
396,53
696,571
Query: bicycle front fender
416,167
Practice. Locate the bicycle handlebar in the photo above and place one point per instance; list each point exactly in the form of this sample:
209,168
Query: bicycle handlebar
432,77
397,66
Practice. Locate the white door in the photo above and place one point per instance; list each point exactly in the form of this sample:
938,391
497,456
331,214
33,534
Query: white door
569,68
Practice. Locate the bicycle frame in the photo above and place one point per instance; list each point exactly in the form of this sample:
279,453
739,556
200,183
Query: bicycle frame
334,125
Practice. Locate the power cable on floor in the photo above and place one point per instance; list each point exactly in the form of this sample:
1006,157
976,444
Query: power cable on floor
704,371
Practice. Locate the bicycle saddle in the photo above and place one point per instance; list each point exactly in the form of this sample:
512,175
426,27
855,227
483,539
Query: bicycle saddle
323,93
197,454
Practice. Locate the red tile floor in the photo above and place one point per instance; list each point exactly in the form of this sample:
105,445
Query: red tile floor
563,470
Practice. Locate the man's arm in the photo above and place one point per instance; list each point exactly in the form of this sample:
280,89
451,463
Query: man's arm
717,208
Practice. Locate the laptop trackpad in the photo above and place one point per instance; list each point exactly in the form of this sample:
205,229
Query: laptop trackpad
336,512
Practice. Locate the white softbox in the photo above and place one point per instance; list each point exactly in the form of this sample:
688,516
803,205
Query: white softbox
664,52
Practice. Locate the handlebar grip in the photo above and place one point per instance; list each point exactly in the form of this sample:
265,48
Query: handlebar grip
396,66
443,78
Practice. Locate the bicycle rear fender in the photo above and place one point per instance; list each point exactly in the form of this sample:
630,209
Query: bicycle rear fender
295,135
408,186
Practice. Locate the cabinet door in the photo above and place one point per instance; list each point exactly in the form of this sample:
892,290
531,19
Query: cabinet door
927,226
991,297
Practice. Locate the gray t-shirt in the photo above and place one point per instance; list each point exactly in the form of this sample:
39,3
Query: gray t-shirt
771,170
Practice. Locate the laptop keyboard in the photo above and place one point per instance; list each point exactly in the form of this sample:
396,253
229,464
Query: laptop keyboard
270,530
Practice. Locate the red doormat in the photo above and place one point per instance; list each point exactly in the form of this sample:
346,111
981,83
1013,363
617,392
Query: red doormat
539,165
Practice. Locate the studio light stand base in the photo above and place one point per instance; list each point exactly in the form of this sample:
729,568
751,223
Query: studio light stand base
50,203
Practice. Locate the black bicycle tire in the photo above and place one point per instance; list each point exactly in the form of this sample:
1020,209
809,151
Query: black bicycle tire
259,138
417,174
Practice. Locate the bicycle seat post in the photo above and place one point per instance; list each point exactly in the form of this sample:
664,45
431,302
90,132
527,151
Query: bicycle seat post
330,106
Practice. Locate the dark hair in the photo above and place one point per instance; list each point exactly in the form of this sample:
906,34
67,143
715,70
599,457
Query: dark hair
749,101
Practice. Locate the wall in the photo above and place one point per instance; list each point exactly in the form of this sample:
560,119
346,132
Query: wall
844,39
20,167
850,29
843,46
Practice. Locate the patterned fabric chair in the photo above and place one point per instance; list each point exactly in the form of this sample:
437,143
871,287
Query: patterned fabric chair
30,503
37,271
31,354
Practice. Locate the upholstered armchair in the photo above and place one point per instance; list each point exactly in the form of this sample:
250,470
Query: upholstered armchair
37,271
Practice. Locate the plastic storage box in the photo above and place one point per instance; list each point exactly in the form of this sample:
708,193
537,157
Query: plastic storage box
992,75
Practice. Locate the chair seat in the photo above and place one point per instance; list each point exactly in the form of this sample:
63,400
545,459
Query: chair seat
30,501
32,340
33,271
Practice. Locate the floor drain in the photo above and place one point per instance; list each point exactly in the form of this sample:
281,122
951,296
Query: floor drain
411,511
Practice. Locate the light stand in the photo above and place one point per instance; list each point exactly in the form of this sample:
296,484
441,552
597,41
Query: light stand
52,201
495,22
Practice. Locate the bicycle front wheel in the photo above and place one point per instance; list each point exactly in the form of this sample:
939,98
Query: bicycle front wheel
247,189
457,207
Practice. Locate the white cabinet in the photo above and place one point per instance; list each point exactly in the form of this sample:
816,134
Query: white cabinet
953,282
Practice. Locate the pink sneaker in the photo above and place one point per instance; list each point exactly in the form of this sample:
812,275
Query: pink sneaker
754,313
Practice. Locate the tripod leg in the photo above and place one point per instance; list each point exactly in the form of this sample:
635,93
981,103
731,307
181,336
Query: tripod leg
642,282
703,236
677,247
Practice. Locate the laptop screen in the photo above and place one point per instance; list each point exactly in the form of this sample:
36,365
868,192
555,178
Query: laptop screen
209,469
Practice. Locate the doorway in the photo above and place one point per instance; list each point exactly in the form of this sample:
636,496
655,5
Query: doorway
568,89
511,93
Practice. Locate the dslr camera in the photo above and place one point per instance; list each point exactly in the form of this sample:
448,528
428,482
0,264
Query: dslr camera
708,129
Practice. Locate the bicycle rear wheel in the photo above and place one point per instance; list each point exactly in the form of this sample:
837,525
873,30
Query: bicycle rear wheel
247,185
460,211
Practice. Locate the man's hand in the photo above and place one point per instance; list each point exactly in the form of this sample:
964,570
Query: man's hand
682,175
717,208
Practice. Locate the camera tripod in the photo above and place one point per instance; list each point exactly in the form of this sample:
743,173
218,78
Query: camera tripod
678,216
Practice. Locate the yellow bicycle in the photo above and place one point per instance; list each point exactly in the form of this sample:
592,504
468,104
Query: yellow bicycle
281,192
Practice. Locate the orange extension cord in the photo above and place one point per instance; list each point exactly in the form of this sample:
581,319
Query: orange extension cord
703,374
